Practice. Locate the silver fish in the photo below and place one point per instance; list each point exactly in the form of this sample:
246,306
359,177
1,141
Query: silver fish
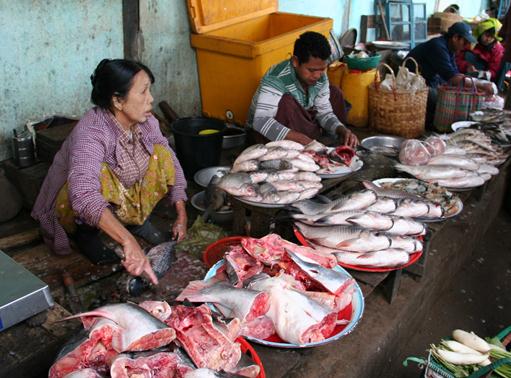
296,186
237,184
280,197
455,161
405,226
245,166
332,280
308,193
307,176
383,258
275,153
275,164
372,221
411,209
453,150
280,176
258,176
487,168
383,205
307,158
266,188
470,181
303,165
354,201
432,172
406,243
251,153
389,193
287,144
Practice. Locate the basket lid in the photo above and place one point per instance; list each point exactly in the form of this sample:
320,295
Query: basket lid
208,15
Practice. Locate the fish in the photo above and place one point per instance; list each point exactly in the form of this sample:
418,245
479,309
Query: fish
133,327
237,184
389,193
265,188
307,176
372,221
316,147
251,153
432,172
308,193
277,164
470,181
406,243
286,144
210,373
280,197
245,166
298,319
307,158
383,258
455,161
355,201
240,266
344,237
258,176
383,205
453,150
406,226
259,328
296,185
417,209
279,176
232,302
487,168
276,153
304,165
214,197
159,309
334,281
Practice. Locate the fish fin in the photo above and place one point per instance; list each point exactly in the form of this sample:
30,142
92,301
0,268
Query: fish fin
93,313
369,185
193,292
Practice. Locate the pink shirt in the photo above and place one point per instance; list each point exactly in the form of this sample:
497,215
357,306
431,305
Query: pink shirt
95,139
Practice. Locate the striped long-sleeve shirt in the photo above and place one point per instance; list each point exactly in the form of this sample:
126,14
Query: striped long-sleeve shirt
279,80
96,139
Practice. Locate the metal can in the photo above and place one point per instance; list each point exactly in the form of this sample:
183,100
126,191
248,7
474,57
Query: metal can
23,149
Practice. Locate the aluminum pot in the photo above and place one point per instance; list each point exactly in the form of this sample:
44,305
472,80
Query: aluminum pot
234,136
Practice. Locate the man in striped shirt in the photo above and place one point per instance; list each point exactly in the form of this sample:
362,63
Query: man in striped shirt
294,100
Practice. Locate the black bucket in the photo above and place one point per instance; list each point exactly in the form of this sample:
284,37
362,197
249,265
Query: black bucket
196,151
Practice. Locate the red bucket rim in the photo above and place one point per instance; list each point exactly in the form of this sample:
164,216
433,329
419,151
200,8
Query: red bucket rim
245,346
230,240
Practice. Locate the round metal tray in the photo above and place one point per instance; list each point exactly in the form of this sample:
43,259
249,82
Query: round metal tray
203,177
386,145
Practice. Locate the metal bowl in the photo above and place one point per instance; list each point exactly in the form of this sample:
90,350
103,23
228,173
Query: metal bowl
234,137
203,177
382,144
221,217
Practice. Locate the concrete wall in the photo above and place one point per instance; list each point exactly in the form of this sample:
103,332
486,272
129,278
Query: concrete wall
47,52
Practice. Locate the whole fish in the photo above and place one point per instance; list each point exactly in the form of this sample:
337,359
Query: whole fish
280,176
296,185
354,201
308,193
487,168
307,176
383,258
237,184
406,243
453,150
245,166
280,197
214,197
265,188
406,226
258,176
389,193
432,172
307,158
383,205
316,147
345,237
277,164
251,153
470,181
455,161
297,318
372,221
332,280
417,209
276,153
134,327
303,165
287,144
244,304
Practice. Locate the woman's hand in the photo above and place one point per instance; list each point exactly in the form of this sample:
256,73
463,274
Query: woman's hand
180,225
136,262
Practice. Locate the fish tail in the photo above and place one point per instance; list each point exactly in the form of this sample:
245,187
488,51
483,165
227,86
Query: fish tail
93,313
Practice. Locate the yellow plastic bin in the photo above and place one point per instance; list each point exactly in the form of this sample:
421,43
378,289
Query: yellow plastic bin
236,42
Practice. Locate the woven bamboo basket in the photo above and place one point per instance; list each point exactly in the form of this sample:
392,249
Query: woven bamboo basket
398,112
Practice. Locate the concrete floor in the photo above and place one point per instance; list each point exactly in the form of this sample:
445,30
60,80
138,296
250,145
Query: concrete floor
479,299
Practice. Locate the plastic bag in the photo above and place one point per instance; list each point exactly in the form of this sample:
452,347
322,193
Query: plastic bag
414,152
435,145
493,102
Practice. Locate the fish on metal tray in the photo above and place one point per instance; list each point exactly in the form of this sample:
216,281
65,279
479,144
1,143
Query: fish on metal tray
303,165
389,193
296,185
454,160
470,181
432,172
383,206
251,153
237,184
277,164
287,144
380,259
280,197
245,166
276,153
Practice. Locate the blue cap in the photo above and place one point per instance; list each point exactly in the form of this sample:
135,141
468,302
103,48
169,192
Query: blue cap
462,30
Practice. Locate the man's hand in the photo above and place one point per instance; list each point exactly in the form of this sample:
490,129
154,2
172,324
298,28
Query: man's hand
136,262
298,137
347,137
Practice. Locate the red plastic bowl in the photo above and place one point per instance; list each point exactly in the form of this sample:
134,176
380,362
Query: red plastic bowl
413,257
247,349
215,252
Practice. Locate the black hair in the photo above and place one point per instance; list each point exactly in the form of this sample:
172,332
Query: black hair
114,77
311,44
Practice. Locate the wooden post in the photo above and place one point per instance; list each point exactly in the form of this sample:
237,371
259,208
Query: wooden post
131,28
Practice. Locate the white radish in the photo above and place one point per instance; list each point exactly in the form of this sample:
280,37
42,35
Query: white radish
461,358
485,362
471,340
458,347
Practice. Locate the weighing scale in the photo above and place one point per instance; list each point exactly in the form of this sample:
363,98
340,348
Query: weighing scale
22,294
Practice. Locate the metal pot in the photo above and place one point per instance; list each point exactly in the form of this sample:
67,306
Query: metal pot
234,136
219,217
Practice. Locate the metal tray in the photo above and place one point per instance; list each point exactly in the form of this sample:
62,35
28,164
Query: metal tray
203,177
383,144
352,313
